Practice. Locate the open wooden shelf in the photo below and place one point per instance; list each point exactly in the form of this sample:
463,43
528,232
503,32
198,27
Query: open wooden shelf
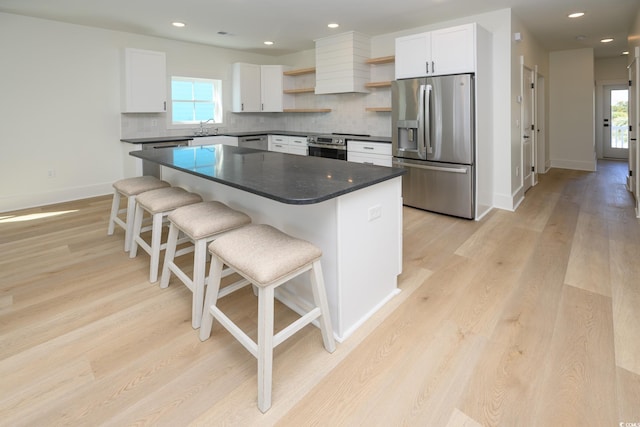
307,110
379,109
301,90
378,84
381,60
300,71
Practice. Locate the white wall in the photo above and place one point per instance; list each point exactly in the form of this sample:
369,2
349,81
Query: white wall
60,105
526,51
572,109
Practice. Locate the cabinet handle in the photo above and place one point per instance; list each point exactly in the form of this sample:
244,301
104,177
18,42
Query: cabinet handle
165,106
433,67
242,107
368,148
427,64
262,107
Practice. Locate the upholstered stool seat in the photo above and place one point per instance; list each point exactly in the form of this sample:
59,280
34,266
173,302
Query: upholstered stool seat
200,223
266,258
159,203
130,188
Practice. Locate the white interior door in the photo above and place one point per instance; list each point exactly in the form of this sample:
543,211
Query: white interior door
633,129
528,126
615,138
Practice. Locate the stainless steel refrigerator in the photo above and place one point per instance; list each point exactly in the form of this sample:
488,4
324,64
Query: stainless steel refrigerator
433,138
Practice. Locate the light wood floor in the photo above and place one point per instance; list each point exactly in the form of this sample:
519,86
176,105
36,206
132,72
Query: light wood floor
529,318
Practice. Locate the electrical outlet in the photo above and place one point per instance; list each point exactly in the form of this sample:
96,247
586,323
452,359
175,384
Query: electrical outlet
375,212
51,173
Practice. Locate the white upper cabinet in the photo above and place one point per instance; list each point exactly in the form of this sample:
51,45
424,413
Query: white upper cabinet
144,81
446,51
246,88
413,53
271,87
256,88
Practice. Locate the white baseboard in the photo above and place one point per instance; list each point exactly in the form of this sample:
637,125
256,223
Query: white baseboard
589,166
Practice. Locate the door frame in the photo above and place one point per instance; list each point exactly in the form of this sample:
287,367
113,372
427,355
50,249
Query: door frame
542,161
615,153
599,119
533,137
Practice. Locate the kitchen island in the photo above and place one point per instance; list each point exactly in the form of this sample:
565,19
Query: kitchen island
353,212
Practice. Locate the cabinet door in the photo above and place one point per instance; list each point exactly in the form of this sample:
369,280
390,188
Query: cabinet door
271,88
412,54
453,50
299,150
246,88
144,82
369,159
278,143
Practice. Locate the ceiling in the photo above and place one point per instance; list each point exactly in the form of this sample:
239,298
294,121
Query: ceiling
293,24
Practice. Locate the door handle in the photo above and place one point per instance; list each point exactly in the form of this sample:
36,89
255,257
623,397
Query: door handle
431,168
525,136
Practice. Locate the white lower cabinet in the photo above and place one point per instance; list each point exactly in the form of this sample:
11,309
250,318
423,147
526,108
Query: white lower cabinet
373,153
289,144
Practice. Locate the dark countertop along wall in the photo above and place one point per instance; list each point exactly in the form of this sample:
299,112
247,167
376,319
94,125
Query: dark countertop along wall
239,134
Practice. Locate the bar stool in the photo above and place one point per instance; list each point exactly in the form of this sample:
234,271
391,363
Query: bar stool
266,258
159,203
130,188
200,223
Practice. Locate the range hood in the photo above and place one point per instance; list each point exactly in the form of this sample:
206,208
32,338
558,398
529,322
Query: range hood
341,63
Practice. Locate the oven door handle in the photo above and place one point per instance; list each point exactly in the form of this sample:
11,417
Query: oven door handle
330,147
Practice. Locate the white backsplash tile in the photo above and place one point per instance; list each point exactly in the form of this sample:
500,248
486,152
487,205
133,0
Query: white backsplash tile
348,115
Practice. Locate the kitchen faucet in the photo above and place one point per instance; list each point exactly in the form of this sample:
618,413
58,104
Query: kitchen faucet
202,123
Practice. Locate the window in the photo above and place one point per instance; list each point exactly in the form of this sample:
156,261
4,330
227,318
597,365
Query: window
195,100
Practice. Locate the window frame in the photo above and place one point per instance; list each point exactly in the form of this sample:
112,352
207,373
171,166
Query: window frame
217,99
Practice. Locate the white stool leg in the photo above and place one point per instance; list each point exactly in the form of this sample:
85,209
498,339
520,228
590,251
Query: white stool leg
199,259
215,275
156,243
131,209
169,255
137,226
320,299
265,346
115,207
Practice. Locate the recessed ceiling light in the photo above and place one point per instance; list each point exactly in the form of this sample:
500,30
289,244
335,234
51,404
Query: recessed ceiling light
626,52
268,43
607,40
333,25
178,24
576,14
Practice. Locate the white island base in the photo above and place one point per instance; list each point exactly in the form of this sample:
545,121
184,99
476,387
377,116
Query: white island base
360,234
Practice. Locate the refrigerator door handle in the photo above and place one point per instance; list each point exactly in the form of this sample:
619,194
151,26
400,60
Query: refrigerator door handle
421,143
426,117
431,168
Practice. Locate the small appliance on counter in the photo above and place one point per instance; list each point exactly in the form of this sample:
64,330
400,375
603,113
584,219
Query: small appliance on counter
433,138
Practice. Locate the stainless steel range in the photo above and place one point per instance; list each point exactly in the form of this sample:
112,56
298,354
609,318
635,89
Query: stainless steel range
332,146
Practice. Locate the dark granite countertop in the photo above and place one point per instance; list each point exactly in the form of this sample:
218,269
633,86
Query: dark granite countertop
156,139
286,178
